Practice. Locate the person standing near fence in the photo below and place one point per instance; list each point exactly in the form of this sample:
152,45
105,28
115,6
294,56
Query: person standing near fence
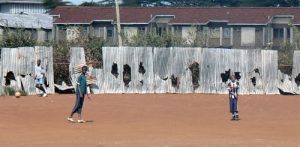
39,78
233,87
81,91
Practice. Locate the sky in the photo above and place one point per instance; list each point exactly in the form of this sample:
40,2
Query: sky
76,2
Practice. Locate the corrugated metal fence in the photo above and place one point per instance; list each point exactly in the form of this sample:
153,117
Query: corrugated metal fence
21,61
258,70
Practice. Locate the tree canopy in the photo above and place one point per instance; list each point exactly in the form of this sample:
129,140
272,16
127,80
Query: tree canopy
51,4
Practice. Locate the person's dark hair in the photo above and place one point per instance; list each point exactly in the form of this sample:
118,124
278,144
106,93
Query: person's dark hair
84,68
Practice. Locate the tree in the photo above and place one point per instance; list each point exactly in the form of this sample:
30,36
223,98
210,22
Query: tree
89,4
270,3
51,4
131,3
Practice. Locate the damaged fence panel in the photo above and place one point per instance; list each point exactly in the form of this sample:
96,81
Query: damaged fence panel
46,55
161,69
290,84
18,67
254,69
1,76
142,73
77,60
270,71
296,68
180,70
113,70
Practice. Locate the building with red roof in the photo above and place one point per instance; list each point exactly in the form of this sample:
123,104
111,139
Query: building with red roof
241,27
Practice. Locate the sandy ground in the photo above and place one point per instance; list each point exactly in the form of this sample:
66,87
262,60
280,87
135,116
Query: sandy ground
158,120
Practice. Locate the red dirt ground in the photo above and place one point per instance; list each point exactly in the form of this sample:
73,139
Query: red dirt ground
159,120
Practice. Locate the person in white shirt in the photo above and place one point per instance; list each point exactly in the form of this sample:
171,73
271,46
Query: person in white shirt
39,77
233,87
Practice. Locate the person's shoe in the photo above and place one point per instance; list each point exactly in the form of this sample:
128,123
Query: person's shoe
237,117
233,117
81,121
70,119
45,95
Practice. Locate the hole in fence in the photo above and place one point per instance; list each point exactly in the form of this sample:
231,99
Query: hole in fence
237,75
175,81
256,70
141,68
114,70
126,74
225,76
165,79
285,93
9,76
297,80
194,68
253,80
142,82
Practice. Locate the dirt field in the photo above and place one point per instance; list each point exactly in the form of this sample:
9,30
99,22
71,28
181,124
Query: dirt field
162,120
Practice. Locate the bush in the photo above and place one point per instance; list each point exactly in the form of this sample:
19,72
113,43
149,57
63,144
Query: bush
93,53
17,38
9,91
23,93
285,58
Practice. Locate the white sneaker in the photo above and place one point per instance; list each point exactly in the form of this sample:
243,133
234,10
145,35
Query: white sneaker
45,95
70,119
81,121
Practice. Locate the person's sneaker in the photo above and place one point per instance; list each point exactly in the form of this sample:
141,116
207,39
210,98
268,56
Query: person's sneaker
45,95
81,121
70,119
233,118
237,117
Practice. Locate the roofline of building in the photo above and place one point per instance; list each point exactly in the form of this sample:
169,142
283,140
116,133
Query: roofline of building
110,7
144,23
22,2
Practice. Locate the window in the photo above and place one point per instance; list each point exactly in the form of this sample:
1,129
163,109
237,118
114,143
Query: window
214,32
48,35
33,34
72,33
141,29
248,36
161,30
101,32
110,32
226,33
177,29
288,35
278,33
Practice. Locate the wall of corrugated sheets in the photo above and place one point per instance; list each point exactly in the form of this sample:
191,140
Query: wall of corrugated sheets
21,61
161,63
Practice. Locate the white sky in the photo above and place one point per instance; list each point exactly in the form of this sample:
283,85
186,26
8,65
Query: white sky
77,2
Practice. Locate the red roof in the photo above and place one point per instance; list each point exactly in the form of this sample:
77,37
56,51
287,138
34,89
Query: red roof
183,15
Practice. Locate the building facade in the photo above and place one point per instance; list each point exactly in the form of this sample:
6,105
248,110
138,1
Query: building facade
218,27
39,25
22,6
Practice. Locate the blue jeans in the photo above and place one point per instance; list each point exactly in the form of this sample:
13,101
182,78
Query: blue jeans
78,105
233,102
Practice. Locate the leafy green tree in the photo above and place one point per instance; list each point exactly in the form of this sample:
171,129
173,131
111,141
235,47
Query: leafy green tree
51,4
89,4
